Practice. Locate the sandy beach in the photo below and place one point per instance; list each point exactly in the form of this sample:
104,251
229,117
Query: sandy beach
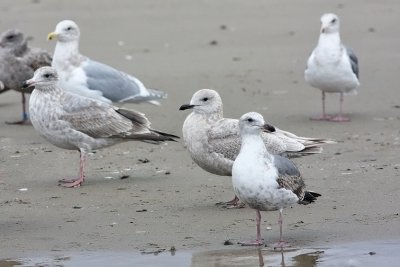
140,196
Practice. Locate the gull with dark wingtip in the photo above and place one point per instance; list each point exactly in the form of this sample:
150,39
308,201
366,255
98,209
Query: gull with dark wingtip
75,122
214,142
257,180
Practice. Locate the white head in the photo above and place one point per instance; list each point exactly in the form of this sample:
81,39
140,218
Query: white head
329,23
66,31
205,101
253,123
43,78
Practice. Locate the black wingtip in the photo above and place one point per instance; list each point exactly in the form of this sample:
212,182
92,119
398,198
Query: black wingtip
167,136
309,197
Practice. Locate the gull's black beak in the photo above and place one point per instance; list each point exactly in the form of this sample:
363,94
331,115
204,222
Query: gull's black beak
186,106
268,128
27,84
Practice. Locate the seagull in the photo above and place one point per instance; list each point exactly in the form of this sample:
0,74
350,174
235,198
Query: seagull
75,122
332,67
19,63
81,75
256,179
213,141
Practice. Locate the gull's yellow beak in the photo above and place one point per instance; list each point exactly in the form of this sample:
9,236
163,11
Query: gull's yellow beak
51,36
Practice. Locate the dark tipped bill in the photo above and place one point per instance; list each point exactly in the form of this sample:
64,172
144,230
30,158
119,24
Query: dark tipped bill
268,128
186,106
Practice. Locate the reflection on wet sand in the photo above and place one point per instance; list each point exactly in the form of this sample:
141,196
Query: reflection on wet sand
383,253
256,257
9,263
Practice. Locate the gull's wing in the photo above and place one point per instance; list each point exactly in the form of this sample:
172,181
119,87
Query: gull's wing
301,146
310,59
289,177
353,60
224,138
98,119
293,183
285,166
116,85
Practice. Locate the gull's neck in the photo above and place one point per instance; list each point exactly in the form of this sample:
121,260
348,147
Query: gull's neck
253,146
329,41
48,89
214,116
66,53
19,51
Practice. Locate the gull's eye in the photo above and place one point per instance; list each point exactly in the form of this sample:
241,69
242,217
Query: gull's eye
205,99
47,75
250,120
69,28
9,37
333,21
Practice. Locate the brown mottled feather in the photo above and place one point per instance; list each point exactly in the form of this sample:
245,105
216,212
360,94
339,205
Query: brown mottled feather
294,184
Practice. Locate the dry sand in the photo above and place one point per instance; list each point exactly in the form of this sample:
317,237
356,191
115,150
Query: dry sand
256,64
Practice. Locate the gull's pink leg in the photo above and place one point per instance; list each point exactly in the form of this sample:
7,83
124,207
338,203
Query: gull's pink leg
324,117
281,243
258,241
340,117
231,203
25,119
76,182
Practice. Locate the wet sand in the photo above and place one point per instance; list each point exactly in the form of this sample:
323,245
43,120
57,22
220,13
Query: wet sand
254,54
381,253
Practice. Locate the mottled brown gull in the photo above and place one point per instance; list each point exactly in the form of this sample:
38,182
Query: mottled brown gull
90,78
332,67
75,122
213,141
19,61
257,181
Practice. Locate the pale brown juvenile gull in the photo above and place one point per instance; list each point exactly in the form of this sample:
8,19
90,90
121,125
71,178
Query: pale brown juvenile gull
213,141
84,76
71,121
256,179
332,67
19,61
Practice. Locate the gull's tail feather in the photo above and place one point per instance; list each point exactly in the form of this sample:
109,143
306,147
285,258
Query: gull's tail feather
152,97
308,140
154,137
141,130
138,119
309,197
307,151
310,145
157,94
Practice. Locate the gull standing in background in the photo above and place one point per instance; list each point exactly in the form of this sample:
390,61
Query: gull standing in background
83,76
75,122
213,141
332,67
18,63
257,181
